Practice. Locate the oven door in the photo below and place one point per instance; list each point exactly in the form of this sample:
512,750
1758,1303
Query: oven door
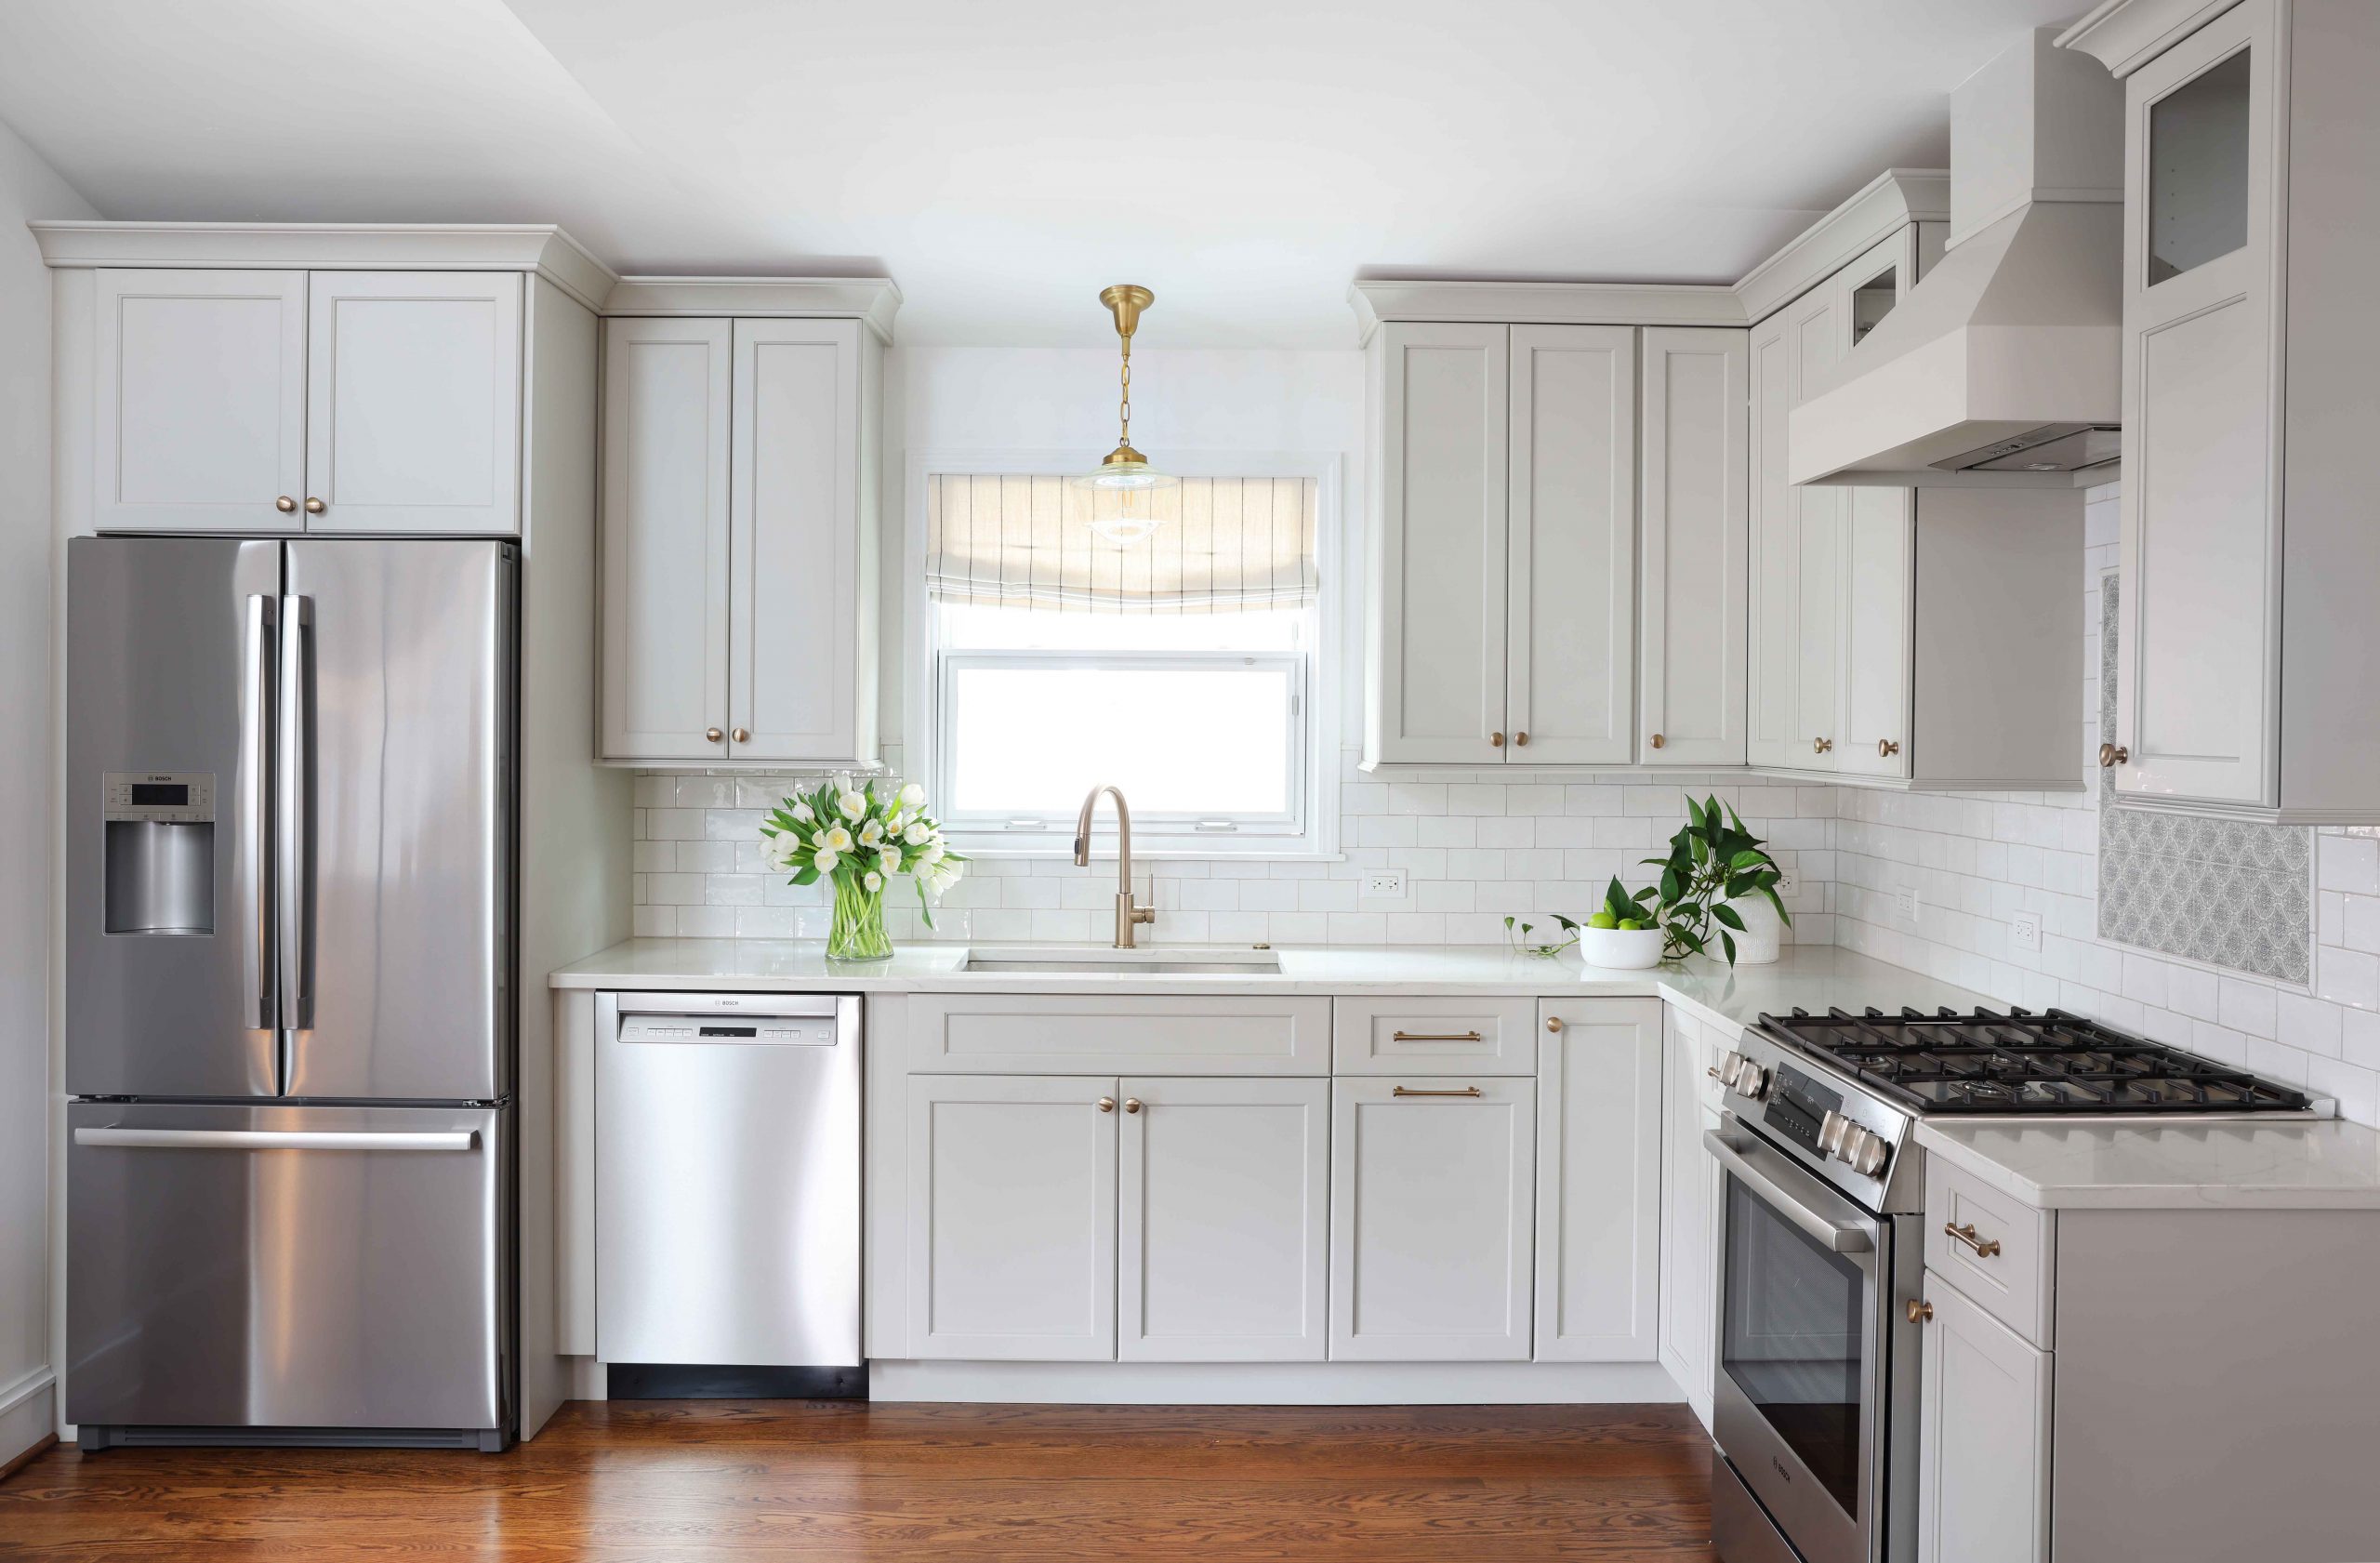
1800,1397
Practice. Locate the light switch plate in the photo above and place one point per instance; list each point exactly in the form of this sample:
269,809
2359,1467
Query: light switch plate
1384,884
2025,931
1905,905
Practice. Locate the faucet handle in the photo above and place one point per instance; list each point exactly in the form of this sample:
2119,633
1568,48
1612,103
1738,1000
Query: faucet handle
1144,914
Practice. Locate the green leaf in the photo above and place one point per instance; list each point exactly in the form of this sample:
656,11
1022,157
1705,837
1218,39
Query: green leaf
806,876
1694,812
1747,858
1727,943
1668,885
1729,916
1783,915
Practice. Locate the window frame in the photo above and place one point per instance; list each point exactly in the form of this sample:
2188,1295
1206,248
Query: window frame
1315,738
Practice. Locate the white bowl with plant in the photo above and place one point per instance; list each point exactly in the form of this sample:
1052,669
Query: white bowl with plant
1714,864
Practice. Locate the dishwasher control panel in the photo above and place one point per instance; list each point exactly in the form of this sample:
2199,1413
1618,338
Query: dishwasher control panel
780,1030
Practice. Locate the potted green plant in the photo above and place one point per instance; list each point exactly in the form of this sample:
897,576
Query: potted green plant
1713,860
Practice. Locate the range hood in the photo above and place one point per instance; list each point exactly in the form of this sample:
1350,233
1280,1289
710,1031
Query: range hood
2003,365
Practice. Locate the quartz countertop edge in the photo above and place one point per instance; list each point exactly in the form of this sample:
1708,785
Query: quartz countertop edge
1815,977
2287,1163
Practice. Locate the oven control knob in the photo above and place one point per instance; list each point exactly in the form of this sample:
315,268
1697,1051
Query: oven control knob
1831,1129
1863,1151
1750,1080
1731,1063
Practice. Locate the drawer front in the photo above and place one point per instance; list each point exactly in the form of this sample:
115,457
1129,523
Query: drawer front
1055,1034
1996,1250
1433,1037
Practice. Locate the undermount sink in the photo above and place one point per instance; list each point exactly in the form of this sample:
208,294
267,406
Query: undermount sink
1097,960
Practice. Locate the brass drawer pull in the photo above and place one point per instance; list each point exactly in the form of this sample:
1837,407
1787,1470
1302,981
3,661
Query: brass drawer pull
1435,1037
1426,1090
1984,1247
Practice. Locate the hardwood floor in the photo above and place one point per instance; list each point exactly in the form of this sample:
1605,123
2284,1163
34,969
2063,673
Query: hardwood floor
667,1479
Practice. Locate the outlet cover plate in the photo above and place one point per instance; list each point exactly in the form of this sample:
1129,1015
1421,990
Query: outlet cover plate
1384,884
1905,905
2025,931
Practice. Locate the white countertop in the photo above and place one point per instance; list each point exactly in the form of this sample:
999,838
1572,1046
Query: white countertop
2239,1164
1813,977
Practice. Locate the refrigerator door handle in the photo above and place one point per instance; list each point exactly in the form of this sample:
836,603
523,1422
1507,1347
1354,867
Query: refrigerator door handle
275,1139
255,858
295,800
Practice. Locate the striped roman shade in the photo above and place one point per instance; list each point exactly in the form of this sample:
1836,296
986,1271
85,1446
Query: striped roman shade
1226,545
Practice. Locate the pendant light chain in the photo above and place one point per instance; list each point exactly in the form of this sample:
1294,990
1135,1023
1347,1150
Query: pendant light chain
1124,408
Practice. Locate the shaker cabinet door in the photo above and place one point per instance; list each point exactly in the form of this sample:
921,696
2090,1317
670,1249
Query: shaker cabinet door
665,530
199,401
1010,1217
1878,542
795,660
1599,1180
1437,685
1696,575
1223,1220
1775,735
1571,531
1983,1437
413,401
1431,1192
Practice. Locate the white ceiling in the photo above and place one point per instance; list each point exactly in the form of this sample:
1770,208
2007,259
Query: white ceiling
1004,159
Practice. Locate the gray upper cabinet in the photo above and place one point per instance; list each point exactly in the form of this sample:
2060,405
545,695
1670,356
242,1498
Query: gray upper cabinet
739,541
2248,550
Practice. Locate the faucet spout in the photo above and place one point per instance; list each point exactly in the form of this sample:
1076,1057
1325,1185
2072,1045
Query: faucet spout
1128,912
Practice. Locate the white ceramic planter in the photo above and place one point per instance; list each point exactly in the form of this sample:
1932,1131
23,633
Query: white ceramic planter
1620,950
1762,938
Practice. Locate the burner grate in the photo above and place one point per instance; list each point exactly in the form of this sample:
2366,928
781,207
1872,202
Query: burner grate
2021,1062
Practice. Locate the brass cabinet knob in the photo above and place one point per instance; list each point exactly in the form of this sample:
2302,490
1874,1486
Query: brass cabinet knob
742,735
1920,1312
314,506
713,734
1521,738
285,504
2114,754
1131,1104
1886,748
1554,1022
1821,746
1108,1104
1657,740
1496,741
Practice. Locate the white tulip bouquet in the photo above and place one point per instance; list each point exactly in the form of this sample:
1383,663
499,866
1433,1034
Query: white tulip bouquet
859,840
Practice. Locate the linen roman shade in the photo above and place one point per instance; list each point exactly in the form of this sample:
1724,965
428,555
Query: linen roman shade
1225,545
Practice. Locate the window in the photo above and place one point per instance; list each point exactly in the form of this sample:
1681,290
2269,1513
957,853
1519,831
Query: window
1179,667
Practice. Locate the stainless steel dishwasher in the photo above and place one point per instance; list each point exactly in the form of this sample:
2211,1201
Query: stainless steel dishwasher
727,1194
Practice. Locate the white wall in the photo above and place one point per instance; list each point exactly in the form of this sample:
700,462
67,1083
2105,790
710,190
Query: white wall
29,188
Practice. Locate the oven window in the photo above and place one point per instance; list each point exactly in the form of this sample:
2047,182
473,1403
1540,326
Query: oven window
1791,1338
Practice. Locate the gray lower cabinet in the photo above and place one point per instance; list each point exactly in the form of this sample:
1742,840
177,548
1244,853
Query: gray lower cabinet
1984,1436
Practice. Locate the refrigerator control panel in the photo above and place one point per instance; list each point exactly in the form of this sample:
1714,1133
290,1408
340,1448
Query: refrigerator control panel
158,798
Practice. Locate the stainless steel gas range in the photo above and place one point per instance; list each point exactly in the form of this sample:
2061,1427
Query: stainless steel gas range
1816,1389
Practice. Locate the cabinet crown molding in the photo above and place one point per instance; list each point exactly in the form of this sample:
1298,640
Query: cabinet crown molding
1881,207
332,247
2125,35
871,301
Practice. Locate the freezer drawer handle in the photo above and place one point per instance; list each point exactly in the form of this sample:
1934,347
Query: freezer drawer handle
276,1139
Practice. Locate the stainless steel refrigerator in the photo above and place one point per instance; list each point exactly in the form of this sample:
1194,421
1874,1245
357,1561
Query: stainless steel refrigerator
289,988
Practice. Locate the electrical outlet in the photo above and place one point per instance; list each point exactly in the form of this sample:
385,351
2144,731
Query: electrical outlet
2025,931
1384,884
1905,905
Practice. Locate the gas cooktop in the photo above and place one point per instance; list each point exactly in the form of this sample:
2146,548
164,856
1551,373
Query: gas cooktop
2021,1062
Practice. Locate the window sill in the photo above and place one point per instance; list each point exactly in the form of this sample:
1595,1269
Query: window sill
1152,853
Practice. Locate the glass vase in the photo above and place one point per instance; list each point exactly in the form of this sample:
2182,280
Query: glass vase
858,933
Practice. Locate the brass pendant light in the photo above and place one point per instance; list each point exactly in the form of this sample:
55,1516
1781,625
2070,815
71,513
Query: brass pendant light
1125,471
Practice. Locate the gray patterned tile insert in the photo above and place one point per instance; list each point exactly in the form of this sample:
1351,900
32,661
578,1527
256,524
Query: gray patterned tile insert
2225,891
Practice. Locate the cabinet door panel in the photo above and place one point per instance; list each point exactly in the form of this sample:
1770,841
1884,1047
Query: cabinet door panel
1983,1439
2199,647
666,399
1774,733
1689,1211
793,673
1821,334
1598,1180
1879,526
1571,528
413,401
1429,1232
1223,1221
1012,1218
1438,628
200,401
1697,537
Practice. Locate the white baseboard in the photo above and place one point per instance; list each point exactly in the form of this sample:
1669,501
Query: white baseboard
28,1412
1275,1384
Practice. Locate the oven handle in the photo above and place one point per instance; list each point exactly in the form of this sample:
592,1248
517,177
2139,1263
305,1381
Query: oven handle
1840,1236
